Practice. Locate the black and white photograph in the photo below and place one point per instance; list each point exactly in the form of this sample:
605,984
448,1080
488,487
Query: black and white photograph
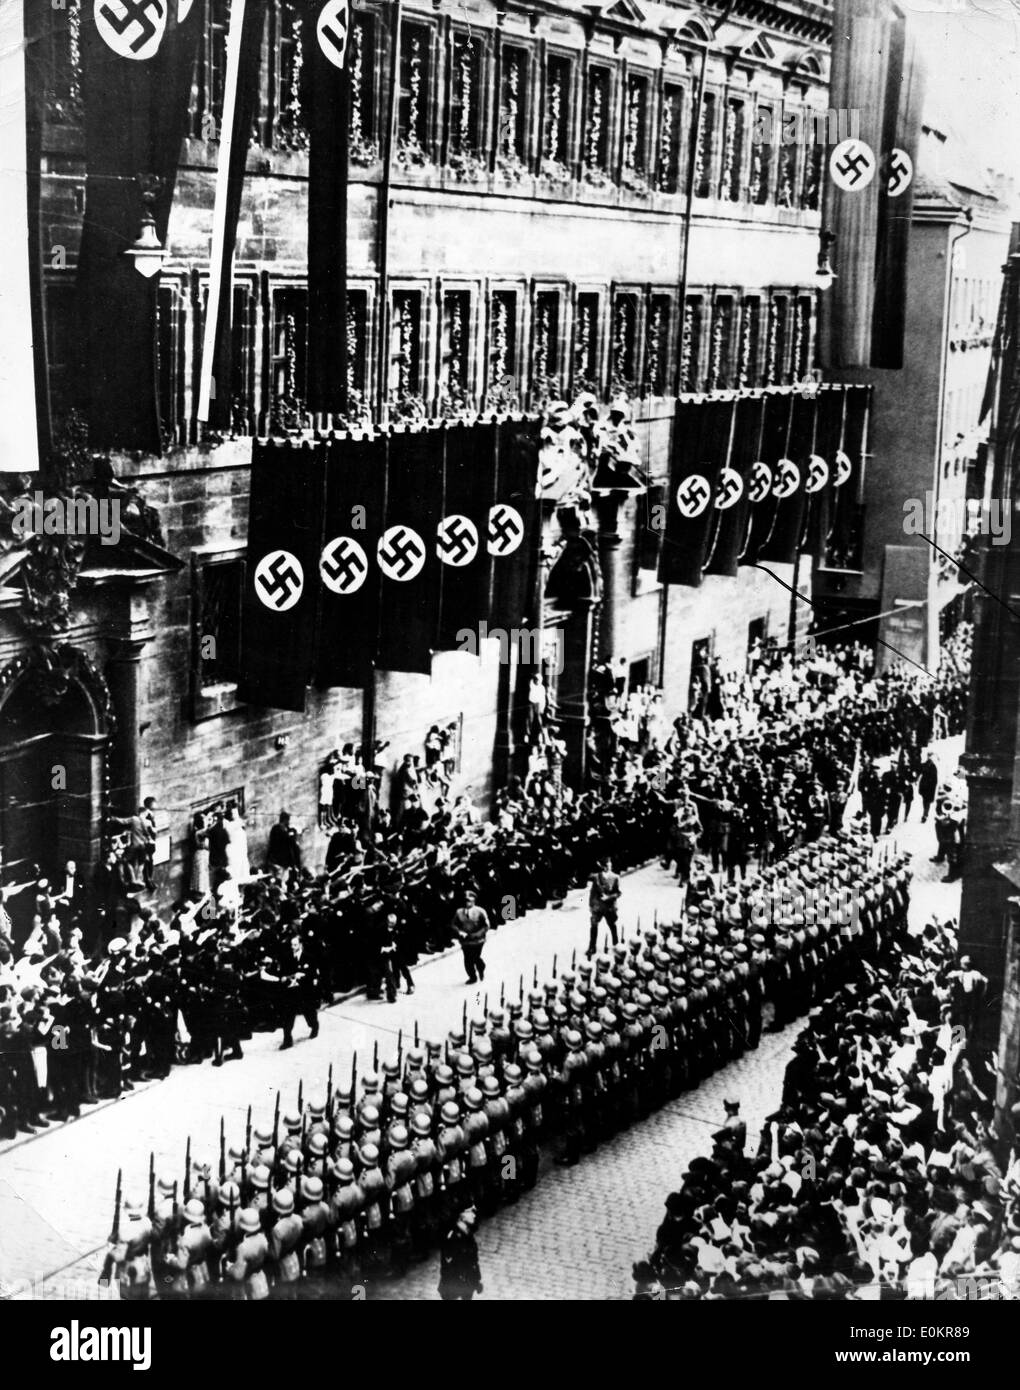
510,665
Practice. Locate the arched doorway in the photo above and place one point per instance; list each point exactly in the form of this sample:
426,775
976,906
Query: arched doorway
55,725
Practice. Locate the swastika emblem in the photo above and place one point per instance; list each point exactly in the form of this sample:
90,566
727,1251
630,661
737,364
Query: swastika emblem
279,580
506,530
693,496
760,484
843,468
343,566
331,29
901,172
787,479
731,489
852,165
132,28
401,553
817,474
456,540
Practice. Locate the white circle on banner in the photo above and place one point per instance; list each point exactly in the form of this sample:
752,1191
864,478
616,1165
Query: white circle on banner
901,172
506,530
852,165
843,468
343,566
331,30
279,580
693,496
456,540
818,473
787,479
401,553
760,484
731,489
131,28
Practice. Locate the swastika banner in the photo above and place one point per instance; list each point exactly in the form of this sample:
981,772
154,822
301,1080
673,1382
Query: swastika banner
406,552
512,535
828,442
744,451
136,81
465,562
285,521
843,535
790,486
775,444
347,568
701,435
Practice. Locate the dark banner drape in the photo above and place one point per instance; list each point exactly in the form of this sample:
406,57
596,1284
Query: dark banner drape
244,116
904,96
842,538
281,579
764,504
701,431
651,517
465,564
860,50
790,484
348,572
406,553
136,78
734,491
828,442
514,530
326,95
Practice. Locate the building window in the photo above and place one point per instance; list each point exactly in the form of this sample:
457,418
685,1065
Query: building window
464,129
512,139
357,352
597,126
63,64
545,346
671,134
455,352
750,340
787,181
364,143
502,385
690,343
657,344
210,71
703,151
556,134
635,134
284,126
802,341
585,357
413,107
759,184
218,593
288,359
624,351
720,355
775,357
170,360
733,151
813,167
243,354
406,346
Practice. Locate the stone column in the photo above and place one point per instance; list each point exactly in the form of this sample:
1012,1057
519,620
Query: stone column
572,708
607,509
123,676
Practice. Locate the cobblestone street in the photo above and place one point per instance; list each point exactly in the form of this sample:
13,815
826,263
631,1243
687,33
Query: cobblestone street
575,1236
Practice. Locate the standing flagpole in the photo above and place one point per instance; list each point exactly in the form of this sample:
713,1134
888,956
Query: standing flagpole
217,245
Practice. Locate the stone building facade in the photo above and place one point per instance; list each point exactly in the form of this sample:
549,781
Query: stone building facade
538,242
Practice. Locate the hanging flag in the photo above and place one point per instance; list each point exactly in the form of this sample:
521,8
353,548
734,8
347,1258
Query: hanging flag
764,474
848,480
513,535
904,97
240,103
281,573
860,51
406,551
828,443
347,569
461,539
733,495
136,59
793,475
701,431
326,96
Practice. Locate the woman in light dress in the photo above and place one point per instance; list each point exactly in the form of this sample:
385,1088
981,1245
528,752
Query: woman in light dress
238,867
200,881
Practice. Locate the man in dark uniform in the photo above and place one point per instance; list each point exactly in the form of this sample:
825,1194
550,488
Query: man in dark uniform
460,1277
603,901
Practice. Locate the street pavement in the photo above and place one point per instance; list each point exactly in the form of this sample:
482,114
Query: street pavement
575,1236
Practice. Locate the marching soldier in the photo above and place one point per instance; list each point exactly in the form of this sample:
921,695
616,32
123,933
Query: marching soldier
188,1262
246,1265
284,1238
132,1258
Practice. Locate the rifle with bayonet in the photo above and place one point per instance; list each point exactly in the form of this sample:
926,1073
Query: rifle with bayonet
110,1262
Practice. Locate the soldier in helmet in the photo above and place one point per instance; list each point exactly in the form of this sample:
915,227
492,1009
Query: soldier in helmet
224,1231
131,1255
459,1273
347,1207
316,1222
246,1266
285,1236
476,1133
187,1262
427,1175
575,1082
452,1147
401,1171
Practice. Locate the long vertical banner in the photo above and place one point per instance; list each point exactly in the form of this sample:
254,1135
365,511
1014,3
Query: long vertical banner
137,58
406,552
465,562
19,439
240,101
514,524
326,97
349,575
791,481
701,432
285,524
733,497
